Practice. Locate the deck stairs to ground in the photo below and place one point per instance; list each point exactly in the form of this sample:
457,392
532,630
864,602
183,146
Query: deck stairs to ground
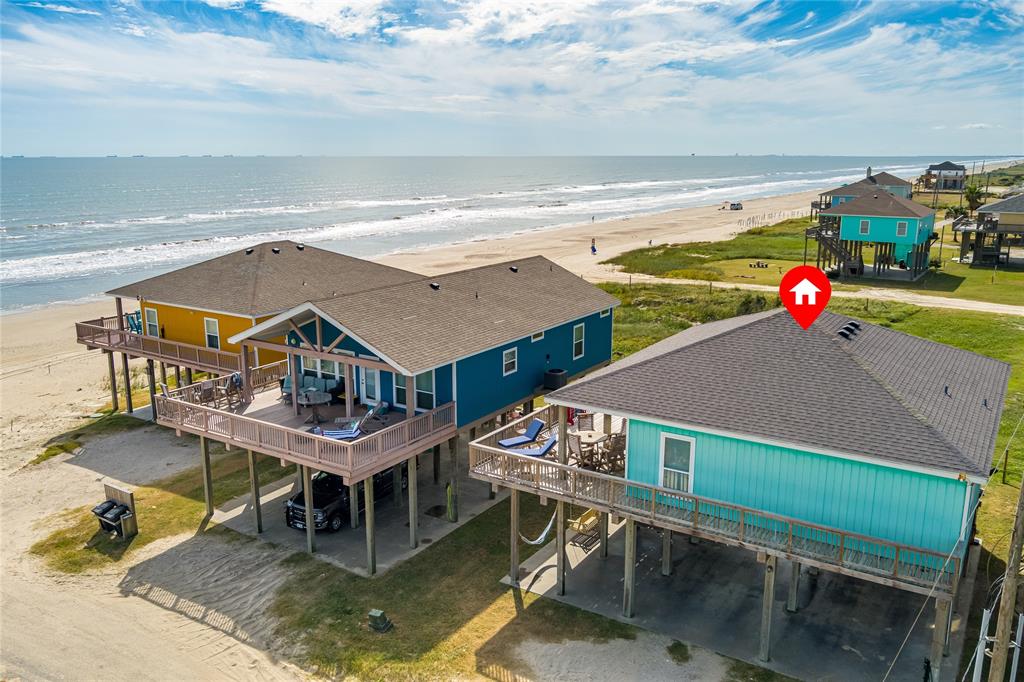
830,241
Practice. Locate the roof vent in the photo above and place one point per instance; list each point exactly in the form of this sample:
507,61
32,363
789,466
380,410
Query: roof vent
513,268
248,252
946,391
844,333
300,247
854,323
276,250
435,286
849,329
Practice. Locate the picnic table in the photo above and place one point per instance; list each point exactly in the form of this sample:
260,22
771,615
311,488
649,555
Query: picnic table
313,400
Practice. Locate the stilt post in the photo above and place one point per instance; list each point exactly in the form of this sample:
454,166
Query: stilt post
396,483
794,586
254,490
353,505
629,574
151,375
453,479
127,384
163,373
414,532
666,552
204,451
177,376
307,498
560,546
188,376
113,379
371,532
602,531
437,464
513,546
939,635
764,654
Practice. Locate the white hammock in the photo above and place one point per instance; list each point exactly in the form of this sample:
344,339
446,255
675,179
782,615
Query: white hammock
543,536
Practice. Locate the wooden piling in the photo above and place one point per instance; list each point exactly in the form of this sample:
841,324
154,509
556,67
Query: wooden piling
307,498
794,586
629,574
453,478
151,375
254,490
113,379
127,384
437,464
414,533
939,636
764,654
560,546
513,571
602,530
204,451
353,505
666,552
371,531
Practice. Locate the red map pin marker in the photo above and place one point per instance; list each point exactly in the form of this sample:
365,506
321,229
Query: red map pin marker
805,291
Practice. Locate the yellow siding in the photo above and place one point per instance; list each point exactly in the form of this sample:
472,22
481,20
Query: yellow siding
187,326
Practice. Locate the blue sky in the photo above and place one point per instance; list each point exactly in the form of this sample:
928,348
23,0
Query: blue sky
511,77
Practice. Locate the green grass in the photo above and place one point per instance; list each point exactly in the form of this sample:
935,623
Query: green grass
678,652
452,616
105,425
164,508
748,672
954,280
1003,177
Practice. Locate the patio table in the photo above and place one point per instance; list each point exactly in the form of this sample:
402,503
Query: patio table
313,400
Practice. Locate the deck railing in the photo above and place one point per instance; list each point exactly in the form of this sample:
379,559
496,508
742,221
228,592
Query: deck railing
104,333
876,559
354,460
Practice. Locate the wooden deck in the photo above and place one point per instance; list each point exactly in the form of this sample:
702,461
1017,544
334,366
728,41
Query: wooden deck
881,561
266,424
105,334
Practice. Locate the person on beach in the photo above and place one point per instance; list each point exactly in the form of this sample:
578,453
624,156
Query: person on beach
593,246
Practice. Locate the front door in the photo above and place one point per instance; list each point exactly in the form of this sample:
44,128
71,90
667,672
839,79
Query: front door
369,385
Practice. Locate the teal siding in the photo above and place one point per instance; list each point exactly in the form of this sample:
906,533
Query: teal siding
884,229
889,503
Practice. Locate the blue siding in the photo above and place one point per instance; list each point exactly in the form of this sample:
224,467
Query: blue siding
884,502
482,388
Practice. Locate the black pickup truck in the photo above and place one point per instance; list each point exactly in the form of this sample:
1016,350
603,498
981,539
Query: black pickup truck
330,499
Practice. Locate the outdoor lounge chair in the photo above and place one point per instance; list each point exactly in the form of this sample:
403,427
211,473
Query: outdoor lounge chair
537,452
134,321
530,436
346,434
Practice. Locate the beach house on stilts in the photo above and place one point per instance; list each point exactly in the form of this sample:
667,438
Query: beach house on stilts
847,448
419,362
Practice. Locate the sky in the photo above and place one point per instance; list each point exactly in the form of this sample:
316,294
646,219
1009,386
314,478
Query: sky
558,77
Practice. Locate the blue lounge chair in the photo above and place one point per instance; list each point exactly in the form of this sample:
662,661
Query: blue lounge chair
537,452
134,322
532,431
348,434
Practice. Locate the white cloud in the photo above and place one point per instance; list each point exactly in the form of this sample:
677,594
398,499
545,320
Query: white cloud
65,9
976,126
343,18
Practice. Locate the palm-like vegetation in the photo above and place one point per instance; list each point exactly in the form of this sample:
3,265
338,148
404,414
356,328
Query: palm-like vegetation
974,196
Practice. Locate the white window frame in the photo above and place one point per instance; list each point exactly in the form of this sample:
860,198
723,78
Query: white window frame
583,341
865,227
665,437
364,394
902,224
606,312
155,322
539,336
415,391
207,334
505,360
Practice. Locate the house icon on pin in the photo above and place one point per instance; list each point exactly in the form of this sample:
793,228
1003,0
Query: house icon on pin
805,292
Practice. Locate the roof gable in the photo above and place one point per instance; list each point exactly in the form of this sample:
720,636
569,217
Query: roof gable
880,394
872,183
880,203
946,165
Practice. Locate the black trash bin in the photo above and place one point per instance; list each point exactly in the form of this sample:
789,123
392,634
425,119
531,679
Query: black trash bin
113,518
102,508
555,379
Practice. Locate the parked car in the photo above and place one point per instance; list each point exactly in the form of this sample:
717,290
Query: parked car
736,206
330,499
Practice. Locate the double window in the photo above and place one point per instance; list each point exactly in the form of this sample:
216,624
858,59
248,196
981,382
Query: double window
509,361
865,226
152,325
677,462
578,341
901,228
212,328
424,391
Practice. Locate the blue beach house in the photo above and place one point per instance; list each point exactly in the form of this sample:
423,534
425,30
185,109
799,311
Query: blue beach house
872,184
892,234
849,447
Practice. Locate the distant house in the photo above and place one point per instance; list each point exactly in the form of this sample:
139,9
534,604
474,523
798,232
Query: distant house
898,231
871,184
999,224
848,447
945,176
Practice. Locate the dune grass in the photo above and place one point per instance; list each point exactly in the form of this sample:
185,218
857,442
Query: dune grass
167,507
105,425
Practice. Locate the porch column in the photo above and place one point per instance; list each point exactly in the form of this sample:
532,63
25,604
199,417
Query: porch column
246,374
608,423
204,451
350,388
151,375
513,542
764,653
371,532
437,464
113,379
794,586
188,376
254,490
560,505
602,532
453,480
629,575
353,505
414,531
666,552
939,635
293,369
307,499
177,376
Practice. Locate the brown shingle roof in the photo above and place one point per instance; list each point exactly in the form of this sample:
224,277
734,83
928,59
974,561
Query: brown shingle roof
880,203
881,394
265,279
420,327
872,183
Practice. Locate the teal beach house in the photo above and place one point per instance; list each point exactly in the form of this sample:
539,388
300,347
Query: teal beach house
849,448
871,184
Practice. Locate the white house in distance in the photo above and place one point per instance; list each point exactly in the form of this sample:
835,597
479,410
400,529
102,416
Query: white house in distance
945,176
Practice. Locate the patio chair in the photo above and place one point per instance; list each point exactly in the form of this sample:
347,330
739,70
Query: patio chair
537,452
207,391
615,453
134,321
584,421
341,434
529,436
576,450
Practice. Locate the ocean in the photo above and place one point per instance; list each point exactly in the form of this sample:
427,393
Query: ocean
71,228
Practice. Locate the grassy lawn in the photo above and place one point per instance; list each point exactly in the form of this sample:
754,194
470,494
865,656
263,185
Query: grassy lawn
164,508
101,426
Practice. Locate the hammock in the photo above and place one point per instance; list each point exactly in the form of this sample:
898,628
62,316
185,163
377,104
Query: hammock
543,536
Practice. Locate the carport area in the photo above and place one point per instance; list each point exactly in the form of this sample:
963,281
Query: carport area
843,628
348,548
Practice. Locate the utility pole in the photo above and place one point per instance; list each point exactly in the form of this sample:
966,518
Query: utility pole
1008,601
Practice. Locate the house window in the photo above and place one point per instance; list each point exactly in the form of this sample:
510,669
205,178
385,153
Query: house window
328,369
212,327
577,342
152,325
371,380
865,226
606,312
509,361
901,229
539,336
677,462
309,366
424,391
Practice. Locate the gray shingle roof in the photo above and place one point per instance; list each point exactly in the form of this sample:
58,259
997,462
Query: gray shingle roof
880,203
872,183
946,165
1013,204
473,310
264,282
881,394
